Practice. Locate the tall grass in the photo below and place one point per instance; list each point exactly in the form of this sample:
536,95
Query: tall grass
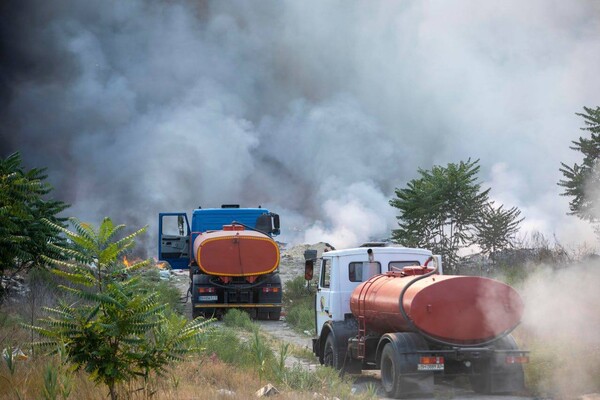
239,319
299,305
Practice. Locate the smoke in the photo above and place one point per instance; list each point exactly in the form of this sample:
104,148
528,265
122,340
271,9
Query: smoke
317,111
561,324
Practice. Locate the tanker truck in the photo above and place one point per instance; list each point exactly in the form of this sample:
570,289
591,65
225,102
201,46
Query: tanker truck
232,258
392,309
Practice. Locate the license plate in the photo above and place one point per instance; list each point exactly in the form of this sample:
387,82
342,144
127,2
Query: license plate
207,298
430,367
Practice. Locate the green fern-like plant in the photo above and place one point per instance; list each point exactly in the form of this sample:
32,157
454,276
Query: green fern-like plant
114,328
24,203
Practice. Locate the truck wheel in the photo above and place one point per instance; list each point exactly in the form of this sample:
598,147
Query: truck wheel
497,377
196,313
336,358
275,315
263,315
390,371
330,353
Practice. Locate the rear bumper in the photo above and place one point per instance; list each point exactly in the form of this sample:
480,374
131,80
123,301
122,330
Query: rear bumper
236,305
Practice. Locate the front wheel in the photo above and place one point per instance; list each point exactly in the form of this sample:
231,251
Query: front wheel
330,352
337,358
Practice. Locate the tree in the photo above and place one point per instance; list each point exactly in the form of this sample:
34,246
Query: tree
582,182
116,331
439,209
23,236
495,229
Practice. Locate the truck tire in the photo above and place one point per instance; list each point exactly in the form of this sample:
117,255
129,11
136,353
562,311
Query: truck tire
330,354
262,315
390,371
335,357
399,366
196,313
495,376
275,315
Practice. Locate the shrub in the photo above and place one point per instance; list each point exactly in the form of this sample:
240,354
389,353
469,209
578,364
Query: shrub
118,330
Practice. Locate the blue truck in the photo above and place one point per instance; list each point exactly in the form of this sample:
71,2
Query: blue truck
231,255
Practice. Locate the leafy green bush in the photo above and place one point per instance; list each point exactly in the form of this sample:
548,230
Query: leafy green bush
118,330
167,292
299,305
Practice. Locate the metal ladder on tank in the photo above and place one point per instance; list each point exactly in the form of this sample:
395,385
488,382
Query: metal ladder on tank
362,324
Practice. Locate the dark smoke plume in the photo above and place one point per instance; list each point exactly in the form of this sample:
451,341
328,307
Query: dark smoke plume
317,110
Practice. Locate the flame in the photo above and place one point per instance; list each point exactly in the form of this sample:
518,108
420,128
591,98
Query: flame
126,262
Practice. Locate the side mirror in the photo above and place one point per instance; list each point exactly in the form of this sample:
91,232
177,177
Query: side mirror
309,263
276,229
309,268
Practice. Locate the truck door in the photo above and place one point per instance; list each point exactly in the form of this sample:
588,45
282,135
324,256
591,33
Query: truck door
323,298
174,239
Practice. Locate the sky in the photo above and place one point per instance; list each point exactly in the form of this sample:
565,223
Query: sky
315,110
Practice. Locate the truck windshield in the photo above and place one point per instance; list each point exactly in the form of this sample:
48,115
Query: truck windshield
398,265
361,271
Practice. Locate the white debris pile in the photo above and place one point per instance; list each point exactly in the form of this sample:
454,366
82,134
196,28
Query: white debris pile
292,259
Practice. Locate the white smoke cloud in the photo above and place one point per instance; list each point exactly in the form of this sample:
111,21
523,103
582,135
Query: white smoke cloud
561,323
317,110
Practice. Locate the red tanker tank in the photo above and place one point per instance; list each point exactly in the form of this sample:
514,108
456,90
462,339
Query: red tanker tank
235,252
461,310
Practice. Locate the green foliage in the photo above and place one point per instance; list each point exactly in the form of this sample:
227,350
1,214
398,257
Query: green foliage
116,330
496,228
299,304
225,345
23,236
239,319
438,210
261,353
58,379
10,360
167,292
583,180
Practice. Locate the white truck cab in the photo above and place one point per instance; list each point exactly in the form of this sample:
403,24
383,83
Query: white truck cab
343,270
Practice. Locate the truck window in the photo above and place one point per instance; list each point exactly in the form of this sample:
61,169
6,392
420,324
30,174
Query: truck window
173,225
361,271
325,274
398,265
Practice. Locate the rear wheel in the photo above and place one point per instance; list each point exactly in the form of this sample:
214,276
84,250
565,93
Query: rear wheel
399,366
275,315
495,376
390,371
262,315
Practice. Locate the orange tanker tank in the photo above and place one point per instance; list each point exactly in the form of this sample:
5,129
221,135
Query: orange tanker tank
235,252
461,310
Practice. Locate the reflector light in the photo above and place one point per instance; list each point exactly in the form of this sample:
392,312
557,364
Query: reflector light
270,289
432,360
207,290
517,359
